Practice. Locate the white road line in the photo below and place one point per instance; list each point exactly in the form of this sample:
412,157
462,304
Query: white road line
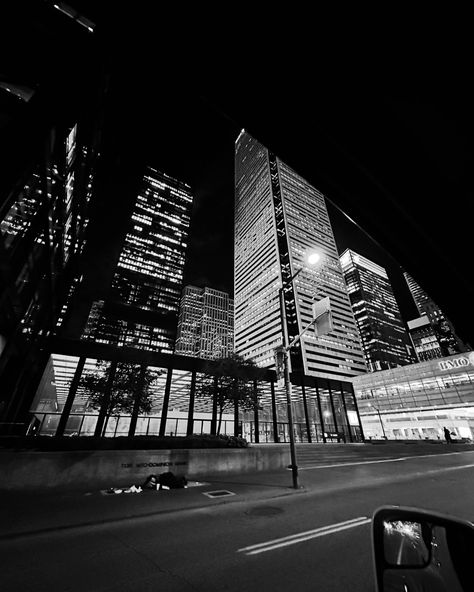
384,460
303,536
443,470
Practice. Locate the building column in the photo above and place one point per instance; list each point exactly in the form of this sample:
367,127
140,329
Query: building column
236,417
345,412
104,408
166,400
255,413
305,407
354,398
70,397
323,430
190,424
333,409
214,409
274,413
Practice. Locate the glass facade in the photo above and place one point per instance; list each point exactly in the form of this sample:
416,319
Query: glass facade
205,324
43,224
419,399
323,410
142,308
278,218
384,339
447,341
424,339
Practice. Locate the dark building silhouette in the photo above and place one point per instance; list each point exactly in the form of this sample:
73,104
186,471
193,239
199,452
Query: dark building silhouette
49,142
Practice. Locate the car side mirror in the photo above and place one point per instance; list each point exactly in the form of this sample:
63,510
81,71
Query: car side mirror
419,551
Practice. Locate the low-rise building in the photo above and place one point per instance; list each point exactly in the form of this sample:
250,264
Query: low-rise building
417,401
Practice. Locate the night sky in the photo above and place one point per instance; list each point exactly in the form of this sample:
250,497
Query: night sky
384,129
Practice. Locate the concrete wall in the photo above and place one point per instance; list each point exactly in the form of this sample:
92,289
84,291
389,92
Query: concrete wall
26,470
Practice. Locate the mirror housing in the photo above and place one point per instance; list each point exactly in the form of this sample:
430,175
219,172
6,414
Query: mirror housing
417,551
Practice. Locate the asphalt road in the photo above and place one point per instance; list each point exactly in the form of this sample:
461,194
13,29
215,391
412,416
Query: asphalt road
315,539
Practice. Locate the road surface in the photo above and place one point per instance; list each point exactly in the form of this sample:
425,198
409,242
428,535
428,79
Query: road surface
317,538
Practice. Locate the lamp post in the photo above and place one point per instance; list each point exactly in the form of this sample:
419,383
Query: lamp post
312,259
380,419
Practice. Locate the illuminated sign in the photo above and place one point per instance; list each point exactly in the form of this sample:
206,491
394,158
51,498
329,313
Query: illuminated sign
456,363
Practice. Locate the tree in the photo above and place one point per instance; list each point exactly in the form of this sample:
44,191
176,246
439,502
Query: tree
129,392
230,381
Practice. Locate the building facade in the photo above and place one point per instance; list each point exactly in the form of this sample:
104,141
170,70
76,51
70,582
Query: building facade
384,338
141,308
205,323
448,342
417,401
325,410
279,218
43,223
424,338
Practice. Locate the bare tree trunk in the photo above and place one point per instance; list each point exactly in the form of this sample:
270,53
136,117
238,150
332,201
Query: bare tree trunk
106,423
221,410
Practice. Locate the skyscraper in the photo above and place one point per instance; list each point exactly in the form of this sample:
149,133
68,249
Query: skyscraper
279,217
424,339
449,342
43,222
206,323
141,309
384,338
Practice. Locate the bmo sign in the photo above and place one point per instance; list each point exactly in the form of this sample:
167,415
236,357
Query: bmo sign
457,362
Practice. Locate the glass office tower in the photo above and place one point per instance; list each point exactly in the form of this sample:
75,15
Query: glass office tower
384,338
424,339
449,342
279,218
141,309
205,324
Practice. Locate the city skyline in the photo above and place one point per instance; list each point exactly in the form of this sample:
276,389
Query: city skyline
391,151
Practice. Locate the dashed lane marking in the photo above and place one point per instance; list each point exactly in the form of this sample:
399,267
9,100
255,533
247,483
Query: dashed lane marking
300,537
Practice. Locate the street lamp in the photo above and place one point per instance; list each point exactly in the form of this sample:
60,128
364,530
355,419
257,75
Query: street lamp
380,419
282,359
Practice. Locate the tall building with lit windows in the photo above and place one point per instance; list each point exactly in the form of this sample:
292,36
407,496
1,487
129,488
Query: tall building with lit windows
279,217
205,324
442,330
384,338
141,309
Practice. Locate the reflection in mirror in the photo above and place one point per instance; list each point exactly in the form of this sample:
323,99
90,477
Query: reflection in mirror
417,551
405,543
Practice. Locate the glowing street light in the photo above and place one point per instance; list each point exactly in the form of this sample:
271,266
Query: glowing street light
281,354
313,258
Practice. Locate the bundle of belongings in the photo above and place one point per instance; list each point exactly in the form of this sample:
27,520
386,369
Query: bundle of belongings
165,481
132,489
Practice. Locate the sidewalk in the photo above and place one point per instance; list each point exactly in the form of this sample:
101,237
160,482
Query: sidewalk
25,514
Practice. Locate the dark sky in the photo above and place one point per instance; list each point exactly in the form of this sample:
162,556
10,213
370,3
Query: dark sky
382,126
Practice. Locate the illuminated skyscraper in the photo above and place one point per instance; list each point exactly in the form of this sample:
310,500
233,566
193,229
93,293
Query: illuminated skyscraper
424,339
49,146
141,309
443,330
279,217
384,338
206,323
